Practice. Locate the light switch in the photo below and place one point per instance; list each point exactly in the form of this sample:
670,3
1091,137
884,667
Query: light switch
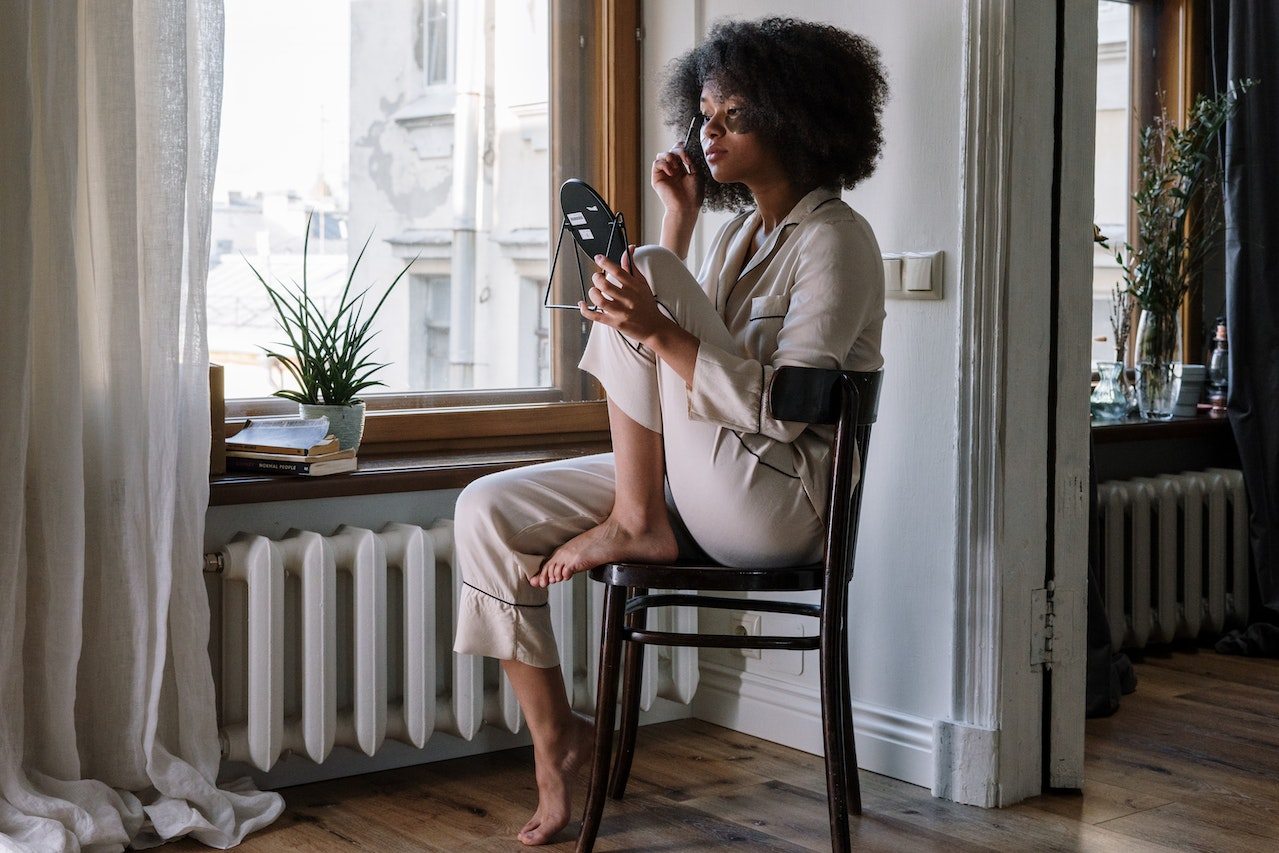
921,275
917,273
892,273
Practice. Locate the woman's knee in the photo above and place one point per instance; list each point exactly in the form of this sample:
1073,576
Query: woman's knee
496,507
478,508
657,264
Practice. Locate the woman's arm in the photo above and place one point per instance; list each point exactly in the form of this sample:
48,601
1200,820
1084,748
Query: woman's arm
676,347
677,231
631,308
838,291
677,186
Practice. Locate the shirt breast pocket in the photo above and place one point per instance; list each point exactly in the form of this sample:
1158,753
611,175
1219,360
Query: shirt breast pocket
767,314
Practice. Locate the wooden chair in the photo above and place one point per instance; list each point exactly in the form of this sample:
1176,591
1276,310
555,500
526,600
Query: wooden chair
809,395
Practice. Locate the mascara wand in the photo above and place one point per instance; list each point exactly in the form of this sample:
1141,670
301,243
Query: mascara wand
688,140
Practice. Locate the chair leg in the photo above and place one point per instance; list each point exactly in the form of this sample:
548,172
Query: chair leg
852,782
632,681
605,712
832,725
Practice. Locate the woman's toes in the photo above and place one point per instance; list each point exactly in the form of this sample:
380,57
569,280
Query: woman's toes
533,834
541,828
544,576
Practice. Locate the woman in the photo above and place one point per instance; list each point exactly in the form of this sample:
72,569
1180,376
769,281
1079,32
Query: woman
789,113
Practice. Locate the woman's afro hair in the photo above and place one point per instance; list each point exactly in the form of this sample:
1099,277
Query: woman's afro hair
813,92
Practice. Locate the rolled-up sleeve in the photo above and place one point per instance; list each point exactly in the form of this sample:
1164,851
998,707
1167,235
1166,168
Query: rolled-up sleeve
838,290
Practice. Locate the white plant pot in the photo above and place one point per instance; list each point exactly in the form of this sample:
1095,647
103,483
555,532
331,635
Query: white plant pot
346,422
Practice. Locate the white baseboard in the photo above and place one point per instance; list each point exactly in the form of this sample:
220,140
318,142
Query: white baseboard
967,764
299,770
889,742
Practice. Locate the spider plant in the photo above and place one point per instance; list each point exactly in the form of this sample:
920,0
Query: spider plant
330,357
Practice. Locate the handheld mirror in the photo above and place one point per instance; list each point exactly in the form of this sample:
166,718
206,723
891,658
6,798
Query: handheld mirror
596,230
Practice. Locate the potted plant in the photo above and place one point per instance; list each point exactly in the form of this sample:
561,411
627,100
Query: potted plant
329,354
1177,174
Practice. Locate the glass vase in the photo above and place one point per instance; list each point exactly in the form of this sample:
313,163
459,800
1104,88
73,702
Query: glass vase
1108,401
1158,350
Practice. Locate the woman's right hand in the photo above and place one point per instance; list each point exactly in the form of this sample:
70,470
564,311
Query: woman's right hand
675,182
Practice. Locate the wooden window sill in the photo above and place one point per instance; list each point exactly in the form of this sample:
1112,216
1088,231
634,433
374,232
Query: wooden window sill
383,473
1202,425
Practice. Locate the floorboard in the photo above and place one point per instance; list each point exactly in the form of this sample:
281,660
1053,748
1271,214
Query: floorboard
1190,762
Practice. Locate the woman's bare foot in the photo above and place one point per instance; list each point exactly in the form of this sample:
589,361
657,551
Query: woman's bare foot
609,542
556,767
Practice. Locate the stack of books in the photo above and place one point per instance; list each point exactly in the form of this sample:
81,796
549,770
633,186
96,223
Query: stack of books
299,446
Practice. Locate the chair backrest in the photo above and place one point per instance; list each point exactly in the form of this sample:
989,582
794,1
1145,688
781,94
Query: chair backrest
811,394
850,400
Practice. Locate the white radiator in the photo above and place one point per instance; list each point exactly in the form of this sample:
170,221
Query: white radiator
346,640
1174,555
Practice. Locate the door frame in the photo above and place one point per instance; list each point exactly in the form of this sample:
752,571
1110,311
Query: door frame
1023,442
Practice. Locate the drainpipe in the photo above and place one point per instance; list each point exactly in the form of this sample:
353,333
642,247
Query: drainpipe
468,117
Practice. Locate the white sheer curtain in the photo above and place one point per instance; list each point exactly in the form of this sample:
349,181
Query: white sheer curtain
108,138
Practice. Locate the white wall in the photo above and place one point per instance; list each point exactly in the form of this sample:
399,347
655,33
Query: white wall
902,595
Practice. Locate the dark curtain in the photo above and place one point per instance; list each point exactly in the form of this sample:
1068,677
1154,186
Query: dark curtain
1245,43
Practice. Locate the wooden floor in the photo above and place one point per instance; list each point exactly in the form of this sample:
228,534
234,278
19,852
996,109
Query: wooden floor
1190,762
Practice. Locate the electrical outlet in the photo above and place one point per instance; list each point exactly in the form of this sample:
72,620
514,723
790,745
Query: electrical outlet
786,661
745,625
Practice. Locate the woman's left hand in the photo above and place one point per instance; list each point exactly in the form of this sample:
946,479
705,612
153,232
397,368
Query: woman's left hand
626,300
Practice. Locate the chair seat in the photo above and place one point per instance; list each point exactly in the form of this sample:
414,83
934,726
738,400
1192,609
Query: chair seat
701,576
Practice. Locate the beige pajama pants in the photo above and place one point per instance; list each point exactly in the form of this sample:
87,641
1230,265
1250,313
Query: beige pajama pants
742,509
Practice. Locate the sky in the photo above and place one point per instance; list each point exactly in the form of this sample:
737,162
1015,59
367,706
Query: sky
285,95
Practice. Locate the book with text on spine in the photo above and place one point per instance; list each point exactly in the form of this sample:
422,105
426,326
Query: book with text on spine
261,464
323,456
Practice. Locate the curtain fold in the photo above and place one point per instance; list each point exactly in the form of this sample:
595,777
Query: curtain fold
107,713
1244,35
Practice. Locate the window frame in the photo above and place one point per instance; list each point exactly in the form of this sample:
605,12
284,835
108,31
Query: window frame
609,32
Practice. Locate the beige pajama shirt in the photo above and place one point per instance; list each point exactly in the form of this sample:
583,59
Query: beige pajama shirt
749,490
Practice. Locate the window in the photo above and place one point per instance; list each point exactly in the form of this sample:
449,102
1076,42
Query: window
430,126
536,360
437,42
1115,125
429,331
1151,55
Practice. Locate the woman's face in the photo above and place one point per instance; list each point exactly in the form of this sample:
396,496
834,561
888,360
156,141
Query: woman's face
733,153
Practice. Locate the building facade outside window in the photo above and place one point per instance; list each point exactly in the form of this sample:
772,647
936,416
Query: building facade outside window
424,124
